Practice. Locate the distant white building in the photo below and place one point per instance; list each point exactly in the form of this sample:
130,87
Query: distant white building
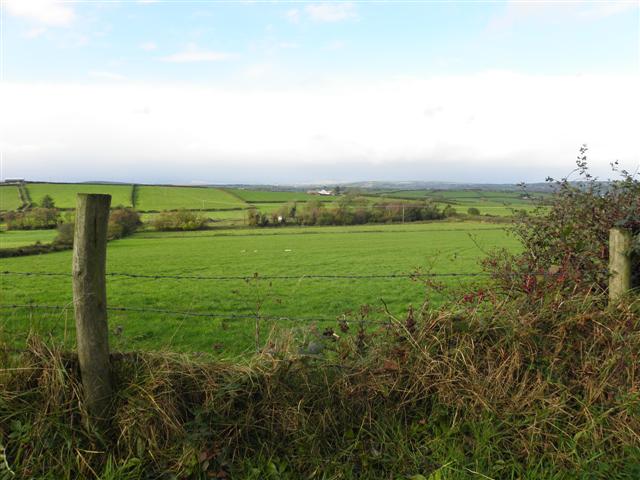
320,192
14,180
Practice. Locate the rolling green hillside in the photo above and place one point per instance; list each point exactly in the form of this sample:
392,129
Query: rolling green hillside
64,194
265,196
193,198
9,197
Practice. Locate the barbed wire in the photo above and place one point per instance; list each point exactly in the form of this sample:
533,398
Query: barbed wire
256,276
229,316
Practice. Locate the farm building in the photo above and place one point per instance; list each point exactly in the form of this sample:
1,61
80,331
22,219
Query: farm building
320,192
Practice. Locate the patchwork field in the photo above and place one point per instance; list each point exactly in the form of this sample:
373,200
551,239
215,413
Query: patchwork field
265,196
9,197
499,203
295,252
158,198
192,198
64,195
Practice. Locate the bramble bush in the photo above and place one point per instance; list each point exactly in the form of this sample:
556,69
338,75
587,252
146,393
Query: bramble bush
565,241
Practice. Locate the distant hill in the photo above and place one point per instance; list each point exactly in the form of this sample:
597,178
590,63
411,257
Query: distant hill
434,185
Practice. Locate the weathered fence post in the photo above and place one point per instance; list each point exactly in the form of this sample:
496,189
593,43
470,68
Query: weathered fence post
619,263
90,302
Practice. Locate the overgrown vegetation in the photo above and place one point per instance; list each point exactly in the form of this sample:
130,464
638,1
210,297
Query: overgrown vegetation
480,388
179,220
123,222
566,240
33,218
349,211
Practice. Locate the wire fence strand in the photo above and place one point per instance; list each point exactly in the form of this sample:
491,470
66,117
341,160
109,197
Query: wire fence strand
303,276
183,313
256,276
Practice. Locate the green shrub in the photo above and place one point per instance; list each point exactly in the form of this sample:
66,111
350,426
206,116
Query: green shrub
449,211
32,219
65,234
47,202
566,240
473,211
123,222
179,220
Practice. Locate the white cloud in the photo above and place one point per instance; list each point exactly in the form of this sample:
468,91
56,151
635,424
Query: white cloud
148,46
34,32
335,45
331,12
259,70
293,15
193,54
601,10
45,12
516,11
526,122
287,45
106,75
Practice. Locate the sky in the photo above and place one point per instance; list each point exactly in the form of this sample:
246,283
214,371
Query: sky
281,92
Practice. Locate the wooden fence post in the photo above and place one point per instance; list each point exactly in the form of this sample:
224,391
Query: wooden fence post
90,302
619,263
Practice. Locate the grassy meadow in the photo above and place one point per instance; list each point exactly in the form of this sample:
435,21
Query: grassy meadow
21,238
9,198
363,250
495,203
191,198
153,198
64,194
267,196
440,247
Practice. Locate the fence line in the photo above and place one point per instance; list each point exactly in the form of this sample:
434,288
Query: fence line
183,313
257,276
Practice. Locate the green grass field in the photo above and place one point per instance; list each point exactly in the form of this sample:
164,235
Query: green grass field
22,238
64,195
497,203
158,198
193,198
364,250
264,196
9,197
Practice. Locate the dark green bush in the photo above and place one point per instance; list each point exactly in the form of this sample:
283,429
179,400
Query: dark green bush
47,202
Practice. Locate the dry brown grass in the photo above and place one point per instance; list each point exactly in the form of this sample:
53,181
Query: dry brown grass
488,388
